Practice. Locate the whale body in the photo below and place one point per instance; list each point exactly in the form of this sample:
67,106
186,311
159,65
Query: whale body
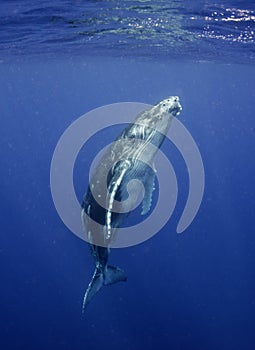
105,206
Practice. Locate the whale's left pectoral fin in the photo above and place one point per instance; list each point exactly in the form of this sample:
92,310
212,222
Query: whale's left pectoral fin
149,187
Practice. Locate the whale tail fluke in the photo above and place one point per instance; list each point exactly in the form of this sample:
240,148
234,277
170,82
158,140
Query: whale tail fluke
111,275
114,274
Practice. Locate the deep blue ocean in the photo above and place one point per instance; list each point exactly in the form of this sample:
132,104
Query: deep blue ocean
61,59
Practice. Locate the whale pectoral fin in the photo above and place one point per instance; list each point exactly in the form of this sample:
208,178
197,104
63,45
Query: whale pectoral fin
114,274
95,285
149,186
115,187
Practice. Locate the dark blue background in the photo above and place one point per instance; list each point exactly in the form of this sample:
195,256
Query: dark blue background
189,291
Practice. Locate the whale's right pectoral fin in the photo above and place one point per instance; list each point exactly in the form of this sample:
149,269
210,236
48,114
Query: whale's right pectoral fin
149,187
95,285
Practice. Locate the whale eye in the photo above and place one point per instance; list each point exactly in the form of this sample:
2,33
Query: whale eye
164,105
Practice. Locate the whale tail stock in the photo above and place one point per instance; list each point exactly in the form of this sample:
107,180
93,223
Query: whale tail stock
110,275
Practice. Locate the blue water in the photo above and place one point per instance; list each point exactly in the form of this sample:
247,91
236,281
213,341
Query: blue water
190,291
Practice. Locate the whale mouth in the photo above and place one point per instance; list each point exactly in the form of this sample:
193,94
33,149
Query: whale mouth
175,110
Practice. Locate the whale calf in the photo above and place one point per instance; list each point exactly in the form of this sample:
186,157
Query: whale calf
105,206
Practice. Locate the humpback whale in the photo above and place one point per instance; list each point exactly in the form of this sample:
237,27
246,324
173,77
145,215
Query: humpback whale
105,205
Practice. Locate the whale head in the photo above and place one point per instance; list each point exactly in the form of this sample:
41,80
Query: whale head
156,119
169,105
160,115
